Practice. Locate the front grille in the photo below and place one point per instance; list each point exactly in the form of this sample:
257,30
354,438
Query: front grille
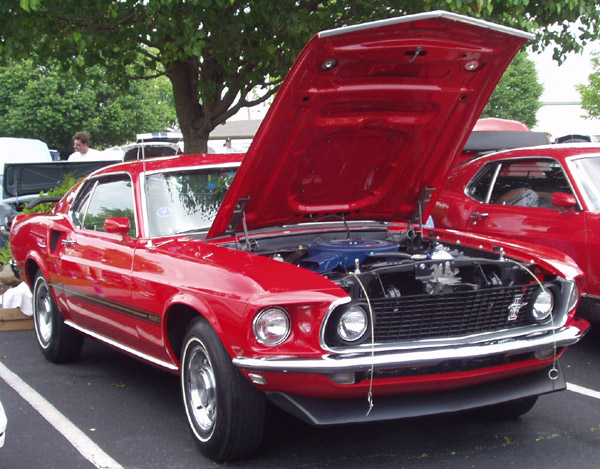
448,315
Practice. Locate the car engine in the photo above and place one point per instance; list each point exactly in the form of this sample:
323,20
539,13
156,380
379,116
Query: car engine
420,288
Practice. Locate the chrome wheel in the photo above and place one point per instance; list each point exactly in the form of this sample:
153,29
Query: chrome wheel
59,343
226,414
43,312
200,387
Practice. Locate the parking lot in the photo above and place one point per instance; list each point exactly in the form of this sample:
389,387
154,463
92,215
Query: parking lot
107,410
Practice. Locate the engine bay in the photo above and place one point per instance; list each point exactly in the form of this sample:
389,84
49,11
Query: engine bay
390,264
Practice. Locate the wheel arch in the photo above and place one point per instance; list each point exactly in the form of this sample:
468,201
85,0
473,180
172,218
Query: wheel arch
183,309
32,266
179,317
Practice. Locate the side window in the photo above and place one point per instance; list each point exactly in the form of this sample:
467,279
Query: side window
480,186
112,197
523,183
80,205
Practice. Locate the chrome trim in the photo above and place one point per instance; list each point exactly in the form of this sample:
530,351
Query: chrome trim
586,295
259,315
142,182
120,346
332,307
510,160
488,196
96,179
337,363
559,320
577,176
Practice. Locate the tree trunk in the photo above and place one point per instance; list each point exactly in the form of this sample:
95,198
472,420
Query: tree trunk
193,122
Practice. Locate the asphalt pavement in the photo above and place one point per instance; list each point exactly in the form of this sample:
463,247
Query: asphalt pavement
107,410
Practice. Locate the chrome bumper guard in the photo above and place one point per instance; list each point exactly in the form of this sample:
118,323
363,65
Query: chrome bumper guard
363,361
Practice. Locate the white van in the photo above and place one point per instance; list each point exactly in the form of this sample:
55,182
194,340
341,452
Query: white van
22,150
18,150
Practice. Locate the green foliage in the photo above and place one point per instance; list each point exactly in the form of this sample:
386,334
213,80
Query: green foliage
216,52
51,105
518,93
68,181
5,254
590,93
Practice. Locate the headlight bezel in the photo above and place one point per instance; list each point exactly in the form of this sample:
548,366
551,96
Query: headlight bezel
330,330
272,313
573,297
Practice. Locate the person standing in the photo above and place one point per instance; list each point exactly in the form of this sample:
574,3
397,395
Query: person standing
228,147
83,152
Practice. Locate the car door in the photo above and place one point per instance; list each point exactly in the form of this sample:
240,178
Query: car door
97,289
512,198
585,173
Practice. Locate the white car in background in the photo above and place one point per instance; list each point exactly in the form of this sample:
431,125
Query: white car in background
22,150
18,150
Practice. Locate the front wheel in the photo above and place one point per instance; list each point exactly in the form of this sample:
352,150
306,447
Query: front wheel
59,343
225,412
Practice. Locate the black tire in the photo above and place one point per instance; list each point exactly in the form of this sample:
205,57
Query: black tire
225,412
509,410
59,342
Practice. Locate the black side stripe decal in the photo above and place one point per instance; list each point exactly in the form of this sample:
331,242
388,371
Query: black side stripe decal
114,306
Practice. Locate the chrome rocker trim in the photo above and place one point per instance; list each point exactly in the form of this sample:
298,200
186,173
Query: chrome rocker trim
120,346
354,362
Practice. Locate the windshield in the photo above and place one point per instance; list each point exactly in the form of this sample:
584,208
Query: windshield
587,172
185,201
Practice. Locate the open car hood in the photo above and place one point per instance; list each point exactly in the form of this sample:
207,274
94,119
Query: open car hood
367,118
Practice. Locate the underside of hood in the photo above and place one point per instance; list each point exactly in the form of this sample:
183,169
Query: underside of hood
367,118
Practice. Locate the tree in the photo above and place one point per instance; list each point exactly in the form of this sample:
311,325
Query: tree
39,102
518,93
215,52
590,93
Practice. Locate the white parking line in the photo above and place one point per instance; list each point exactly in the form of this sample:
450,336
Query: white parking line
88,449
584,391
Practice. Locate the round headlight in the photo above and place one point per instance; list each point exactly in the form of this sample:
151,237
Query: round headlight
353,324
542,306
272,326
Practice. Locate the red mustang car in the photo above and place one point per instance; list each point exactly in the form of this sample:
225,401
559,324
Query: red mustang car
303,274
549,195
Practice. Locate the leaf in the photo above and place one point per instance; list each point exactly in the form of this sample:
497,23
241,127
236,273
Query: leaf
25,5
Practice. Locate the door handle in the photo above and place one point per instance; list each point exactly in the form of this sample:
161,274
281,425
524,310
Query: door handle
476,216
68,242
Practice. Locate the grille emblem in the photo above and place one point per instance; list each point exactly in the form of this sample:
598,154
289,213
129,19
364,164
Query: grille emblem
515,307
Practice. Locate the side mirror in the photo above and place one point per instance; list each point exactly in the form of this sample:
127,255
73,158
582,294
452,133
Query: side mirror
117,225
563,200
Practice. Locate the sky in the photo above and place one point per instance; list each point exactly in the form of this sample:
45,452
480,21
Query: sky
559,87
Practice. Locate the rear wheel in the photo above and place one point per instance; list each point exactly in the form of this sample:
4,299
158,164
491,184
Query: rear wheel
59,343
225,412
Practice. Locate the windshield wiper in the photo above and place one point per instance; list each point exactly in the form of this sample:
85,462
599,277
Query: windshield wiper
192,230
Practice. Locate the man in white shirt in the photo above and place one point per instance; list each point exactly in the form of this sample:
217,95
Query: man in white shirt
228,147
82,151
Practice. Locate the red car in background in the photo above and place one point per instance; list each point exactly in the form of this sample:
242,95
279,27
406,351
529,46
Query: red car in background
548,195
302,273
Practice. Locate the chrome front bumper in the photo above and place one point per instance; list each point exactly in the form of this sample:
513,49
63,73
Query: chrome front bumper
364,361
